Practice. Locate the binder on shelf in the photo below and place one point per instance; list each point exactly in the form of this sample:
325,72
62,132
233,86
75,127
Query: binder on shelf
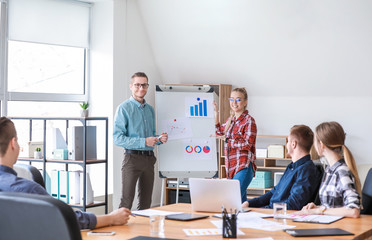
47,181
74,187
75,142
54,188
89,189
59,141
63,186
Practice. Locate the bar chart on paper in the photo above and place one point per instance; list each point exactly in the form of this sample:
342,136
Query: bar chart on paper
198,107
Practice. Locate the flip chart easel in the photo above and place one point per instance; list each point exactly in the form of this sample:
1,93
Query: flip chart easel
186,114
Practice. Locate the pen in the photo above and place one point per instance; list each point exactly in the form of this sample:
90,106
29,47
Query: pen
161,135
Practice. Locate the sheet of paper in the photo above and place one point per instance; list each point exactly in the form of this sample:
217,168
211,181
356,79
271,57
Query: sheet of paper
177,128
253,214
256,223
247,215
151,212
266,238
207,231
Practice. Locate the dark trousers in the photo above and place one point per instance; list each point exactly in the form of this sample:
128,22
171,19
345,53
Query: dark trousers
137,168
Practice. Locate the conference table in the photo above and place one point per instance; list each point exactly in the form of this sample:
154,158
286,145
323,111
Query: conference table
139,226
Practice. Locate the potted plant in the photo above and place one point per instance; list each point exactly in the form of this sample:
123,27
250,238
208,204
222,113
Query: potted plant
84,109
37,153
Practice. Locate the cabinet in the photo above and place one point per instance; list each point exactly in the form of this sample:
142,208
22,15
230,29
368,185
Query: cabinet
223,92
44,124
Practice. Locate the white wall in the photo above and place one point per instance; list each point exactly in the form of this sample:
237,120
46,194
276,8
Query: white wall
101,75
302,62
132,53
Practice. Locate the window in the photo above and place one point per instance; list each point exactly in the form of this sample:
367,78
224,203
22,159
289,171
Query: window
45,68
44,52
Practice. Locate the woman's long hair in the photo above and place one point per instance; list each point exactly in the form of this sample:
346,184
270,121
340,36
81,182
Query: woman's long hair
332,135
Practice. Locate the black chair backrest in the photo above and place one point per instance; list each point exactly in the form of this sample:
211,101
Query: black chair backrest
29,172
30,216
367,194
320,168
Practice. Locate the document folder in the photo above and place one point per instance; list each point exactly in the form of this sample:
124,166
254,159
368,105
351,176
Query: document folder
75,142
54,175
89,192
74,186
63,186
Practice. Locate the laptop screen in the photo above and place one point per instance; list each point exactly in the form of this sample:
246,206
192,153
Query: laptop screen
209,195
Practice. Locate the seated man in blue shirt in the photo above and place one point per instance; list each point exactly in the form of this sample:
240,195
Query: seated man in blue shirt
9,182
301,178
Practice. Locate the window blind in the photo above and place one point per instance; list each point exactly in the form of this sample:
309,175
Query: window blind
59,22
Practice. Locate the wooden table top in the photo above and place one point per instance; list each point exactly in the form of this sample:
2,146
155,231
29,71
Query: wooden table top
139,226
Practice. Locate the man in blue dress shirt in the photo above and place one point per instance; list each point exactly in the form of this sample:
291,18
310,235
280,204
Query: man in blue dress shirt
301,178
134,130
9,182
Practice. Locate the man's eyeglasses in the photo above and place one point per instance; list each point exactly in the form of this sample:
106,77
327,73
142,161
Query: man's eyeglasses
235,100
143,85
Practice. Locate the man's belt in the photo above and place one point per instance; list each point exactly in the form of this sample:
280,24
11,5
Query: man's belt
138,152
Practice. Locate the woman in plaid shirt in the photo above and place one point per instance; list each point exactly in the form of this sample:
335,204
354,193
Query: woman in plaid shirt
239,132
340,189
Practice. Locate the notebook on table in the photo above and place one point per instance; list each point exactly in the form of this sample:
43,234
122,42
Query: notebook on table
186,216
317,232
209,195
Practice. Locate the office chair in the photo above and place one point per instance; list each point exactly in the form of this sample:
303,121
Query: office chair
320,168
29,172
30,216
367,194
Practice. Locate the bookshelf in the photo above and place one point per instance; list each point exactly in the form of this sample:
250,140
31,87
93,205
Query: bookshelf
83,163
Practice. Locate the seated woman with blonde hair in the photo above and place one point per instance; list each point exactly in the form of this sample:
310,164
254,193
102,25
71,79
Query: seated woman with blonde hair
340,189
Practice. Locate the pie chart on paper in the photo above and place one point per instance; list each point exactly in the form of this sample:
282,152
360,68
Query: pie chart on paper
206,149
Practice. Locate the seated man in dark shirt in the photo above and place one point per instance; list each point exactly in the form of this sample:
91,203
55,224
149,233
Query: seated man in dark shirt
9,182
301,178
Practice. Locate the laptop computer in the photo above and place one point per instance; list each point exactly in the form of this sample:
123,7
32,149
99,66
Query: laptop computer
209,195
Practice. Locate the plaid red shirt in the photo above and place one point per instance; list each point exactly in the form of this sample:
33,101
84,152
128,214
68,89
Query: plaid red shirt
240,147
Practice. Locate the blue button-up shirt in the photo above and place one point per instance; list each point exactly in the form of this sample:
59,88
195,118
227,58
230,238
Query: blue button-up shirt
9,182
133,123
297,187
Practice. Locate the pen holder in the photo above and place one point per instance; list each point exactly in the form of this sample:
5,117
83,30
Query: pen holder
229,226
